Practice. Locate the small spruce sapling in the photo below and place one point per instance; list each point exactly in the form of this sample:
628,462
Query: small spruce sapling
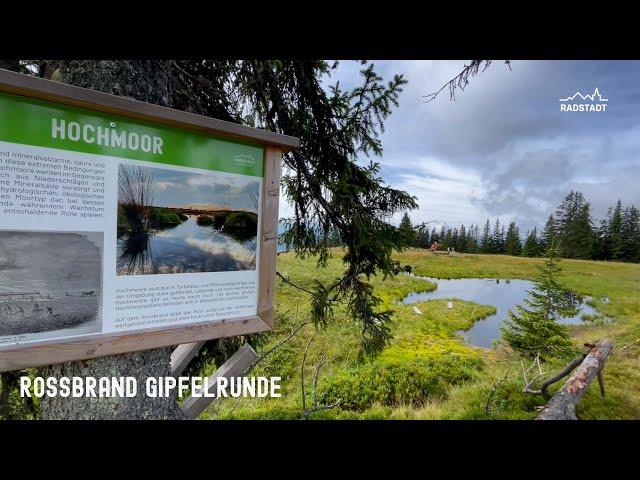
534,330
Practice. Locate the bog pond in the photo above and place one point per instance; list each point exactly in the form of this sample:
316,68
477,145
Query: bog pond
504,295
185,248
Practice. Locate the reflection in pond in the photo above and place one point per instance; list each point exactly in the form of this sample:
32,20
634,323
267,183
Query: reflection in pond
504,295
186,248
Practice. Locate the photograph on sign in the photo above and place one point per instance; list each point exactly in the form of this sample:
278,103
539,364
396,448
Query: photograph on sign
113,225
50,284
172,221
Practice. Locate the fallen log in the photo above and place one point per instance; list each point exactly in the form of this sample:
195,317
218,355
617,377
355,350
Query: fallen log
562,405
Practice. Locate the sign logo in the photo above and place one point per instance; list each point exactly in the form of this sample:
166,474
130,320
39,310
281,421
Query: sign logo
245,160
584,103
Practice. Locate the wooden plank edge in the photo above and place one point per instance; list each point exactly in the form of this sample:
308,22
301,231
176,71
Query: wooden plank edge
235,366
26,356
182,355
49,90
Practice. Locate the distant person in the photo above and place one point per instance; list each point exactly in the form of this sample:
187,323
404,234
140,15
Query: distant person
49,311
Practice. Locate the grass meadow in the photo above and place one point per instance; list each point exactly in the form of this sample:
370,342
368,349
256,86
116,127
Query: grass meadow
428,371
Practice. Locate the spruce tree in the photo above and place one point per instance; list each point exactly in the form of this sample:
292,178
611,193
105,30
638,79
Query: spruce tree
471,240
461,244
585,235
574,229
602,247
486,242
422,236
636,235
406,230
534,329
498,238
325,181
435,237
531,247
476,238
454,238
447,239
549,233
512,245
630,233
615,231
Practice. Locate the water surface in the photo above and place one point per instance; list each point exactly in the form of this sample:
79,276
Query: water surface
504,295
186,248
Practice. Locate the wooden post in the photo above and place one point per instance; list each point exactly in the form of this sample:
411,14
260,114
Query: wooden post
562,405
269,245
182,355
234,367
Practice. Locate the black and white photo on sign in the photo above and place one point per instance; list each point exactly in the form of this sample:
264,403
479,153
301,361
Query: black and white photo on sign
50,283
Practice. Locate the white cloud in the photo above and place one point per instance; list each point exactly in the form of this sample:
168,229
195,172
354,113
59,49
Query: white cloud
503,148
165,185
222,245
445,193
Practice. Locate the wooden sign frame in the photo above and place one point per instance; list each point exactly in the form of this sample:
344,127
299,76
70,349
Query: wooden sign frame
47,352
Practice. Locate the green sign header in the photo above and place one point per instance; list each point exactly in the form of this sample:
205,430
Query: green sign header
45,124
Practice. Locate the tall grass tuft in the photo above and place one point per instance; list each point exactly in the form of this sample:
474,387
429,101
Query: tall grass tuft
135,194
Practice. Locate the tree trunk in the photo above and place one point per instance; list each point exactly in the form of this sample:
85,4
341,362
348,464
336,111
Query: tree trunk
147,81
562,405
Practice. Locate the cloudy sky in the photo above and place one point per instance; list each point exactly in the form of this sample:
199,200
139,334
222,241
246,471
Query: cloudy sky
503,148
174,188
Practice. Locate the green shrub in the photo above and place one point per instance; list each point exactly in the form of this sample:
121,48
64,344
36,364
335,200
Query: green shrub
162,218
242,225
392,384
204,220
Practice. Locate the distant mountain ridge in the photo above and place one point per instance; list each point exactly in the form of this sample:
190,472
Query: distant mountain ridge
211,207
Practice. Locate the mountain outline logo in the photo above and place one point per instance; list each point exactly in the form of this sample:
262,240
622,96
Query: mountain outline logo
571,103
585,97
